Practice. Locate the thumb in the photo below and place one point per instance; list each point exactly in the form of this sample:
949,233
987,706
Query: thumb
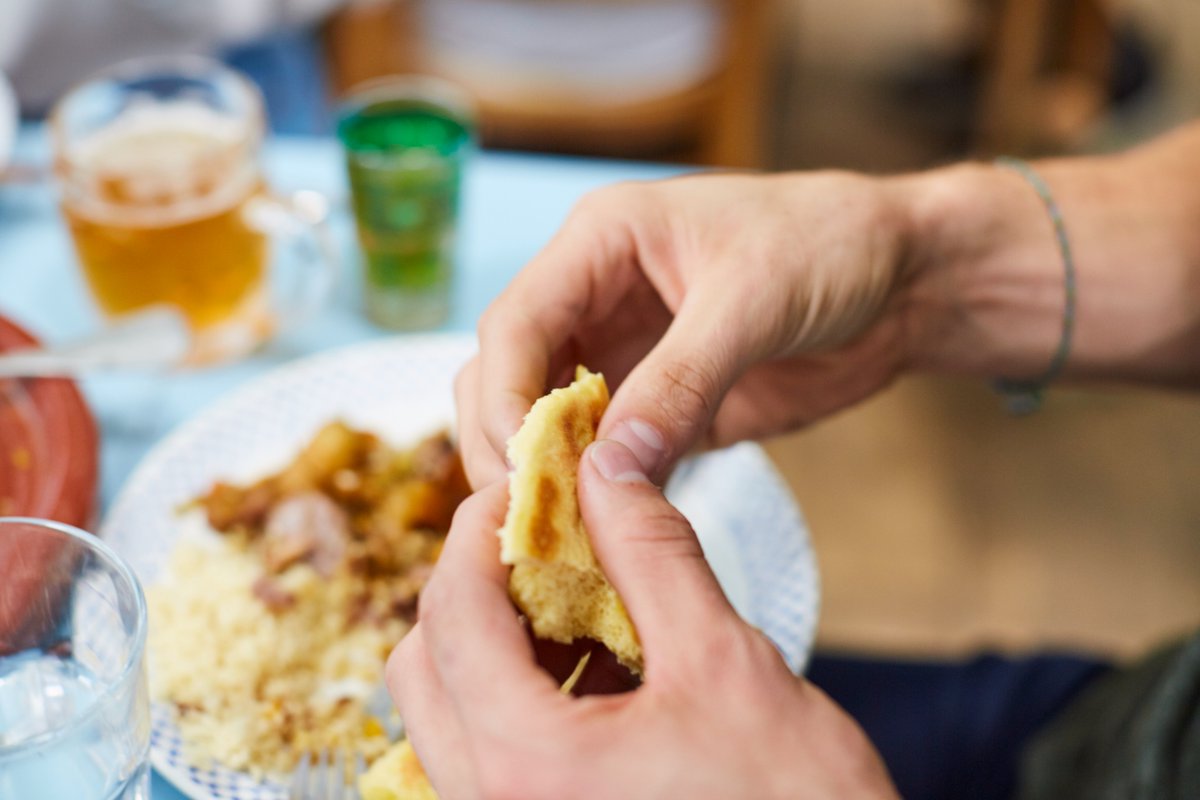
648,551
669,400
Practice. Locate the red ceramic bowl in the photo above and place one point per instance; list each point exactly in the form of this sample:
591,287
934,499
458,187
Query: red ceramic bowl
48,445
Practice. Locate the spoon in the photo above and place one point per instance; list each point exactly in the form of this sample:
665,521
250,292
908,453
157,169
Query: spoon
151,339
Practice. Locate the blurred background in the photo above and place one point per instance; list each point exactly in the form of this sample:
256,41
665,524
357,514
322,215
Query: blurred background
942,525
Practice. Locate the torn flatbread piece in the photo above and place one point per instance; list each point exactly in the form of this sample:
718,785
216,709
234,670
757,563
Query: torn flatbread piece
556,581
396,775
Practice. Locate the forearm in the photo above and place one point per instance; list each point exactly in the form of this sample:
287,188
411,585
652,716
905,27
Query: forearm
984,290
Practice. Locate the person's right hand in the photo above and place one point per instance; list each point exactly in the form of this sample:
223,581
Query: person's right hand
719,713
722,307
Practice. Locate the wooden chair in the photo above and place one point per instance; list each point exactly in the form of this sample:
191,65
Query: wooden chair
720,121
1047,67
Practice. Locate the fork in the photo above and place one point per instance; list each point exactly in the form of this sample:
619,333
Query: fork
319,777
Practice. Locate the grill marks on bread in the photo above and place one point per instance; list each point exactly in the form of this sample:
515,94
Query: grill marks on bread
556,581
543,538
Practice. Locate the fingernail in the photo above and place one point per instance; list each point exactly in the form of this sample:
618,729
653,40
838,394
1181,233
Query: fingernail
617,463
644,440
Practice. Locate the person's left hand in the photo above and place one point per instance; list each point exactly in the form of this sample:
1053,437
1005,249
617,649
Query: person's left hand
719,714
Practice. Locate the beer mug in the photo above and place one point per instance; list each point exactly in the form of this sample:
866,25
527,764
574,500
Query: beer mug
157,160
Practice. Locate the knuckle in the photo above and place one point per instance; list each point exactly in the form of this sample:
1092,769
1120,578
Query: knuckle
489,321
761,646
463,378
475,465
660,522
738,653
595,203
689,389
483,467
649,527
605,201
430,602
398,664
761,653
466,516
726,645
403,674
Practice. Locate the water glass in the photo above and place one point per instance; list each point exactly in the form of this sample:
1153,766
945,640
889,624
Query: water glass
74,711
406,140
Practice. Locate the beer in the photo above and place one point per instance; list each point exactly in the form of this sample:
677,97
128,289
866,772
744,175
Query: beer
155,202
157,160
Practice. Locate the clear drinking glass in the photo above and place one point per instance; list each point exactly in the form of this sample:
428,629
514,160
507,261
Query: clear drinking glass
74,711
157,160
407,139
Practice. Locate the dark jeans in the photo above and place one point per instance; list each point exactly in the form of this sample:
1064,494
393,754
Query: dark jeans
953,730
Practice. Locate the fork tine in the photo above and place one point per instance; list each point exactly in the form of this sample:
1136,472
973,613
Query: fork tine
337,780
298,789
325,775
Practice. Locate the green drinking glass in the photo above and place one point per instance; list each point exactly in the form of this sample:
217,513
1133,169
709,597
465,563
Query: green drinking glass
406,140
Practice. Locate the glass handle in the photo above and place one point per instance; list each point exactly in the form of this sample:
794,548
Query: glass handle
299,221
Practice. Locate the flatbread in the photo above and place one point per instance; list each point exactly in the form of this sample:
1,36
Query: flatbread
556,581
396,775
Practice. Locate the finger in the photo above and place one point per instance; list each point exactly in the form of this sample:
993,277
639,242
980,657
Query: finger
649,553
471,628
515,360
581,274
668,401
484,465
429,718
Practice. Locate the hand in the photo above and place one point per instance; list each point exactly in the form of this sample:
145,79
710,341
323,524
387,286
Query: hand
719,714
723,307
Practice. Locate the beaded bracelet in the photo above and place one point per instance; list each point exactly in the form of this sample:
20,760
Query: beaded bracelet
1025,396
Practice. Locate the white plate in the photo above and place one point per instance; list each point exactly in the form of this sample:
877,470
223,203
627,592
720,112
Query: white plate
401,388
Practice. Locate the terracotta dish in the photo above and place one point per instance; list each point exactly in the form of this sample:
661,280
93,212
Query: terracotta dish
48,445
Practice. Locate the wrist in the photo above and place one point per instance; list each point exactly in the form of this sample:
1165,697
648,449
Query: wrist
982,289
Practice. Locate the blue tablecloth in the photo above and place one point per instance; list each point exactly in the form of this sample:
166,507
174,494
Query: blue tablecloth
512,204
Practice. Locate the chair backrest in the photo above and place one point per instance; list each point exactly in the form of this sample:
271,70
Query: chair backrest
715,118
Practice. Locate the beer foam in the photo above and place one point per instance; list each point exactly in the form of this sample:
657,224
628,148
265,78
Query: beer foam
163,163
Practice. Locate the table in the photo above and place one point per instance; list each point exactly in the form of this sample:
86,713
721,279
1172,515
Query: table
511,205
